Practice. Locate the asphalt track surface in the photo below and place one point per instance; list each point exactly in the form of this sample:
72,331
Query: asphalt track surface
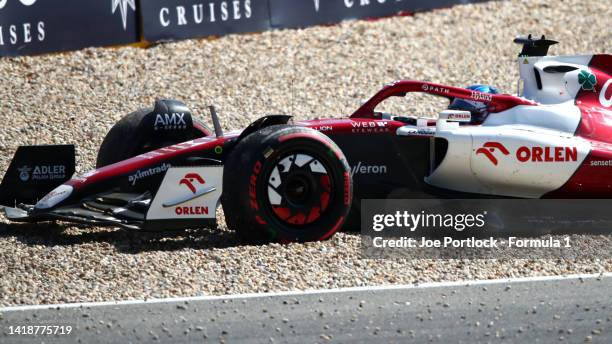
573,309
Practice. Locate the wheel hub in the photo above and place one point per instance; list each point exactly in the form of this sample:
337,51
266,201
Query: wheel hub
299,189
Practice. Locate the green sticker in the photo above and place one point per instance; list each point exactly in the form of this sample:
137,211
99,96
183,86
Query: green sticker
218,149
587,80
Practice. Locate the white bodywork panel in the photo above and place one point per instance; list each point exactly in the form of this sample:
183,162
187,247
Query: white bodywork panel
54,197
188,193
512,174
556,87
525,151
564,117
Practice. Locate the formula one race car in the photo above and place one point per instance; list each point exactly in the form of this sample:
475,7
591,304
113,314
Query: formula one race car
276,180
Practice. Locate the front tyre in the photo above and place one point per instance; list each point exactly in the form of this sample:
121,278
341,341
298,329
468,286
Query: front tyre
285,183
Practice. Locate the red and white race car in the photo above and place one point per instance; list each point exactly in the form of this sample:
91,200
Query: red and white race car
162,169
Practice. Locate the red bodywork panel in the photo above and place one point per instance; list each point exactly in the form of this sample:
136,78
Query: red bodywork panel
593,179
596,122
146,160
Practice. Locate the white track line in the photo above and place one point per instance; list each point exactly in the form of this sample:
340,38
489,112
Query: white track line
308,292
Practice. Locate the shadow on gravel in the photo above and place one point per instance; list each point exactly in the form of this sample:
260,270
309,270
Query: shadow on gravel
125,241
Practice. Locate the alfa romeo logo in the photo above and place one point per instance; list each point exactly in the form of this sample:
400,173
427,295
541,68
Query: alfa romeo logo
587,80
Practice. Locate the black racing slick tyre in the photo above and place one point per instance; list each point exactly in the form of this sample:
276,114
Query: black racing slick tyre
129,138
286,184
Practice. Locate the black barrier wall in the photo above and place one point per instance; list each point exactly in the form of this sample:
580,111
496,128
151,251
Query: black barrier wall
302,13
41,26
178,19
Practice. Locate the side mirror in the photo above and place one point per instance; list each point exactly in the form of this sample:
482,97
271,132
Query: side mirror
455,116
449,119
